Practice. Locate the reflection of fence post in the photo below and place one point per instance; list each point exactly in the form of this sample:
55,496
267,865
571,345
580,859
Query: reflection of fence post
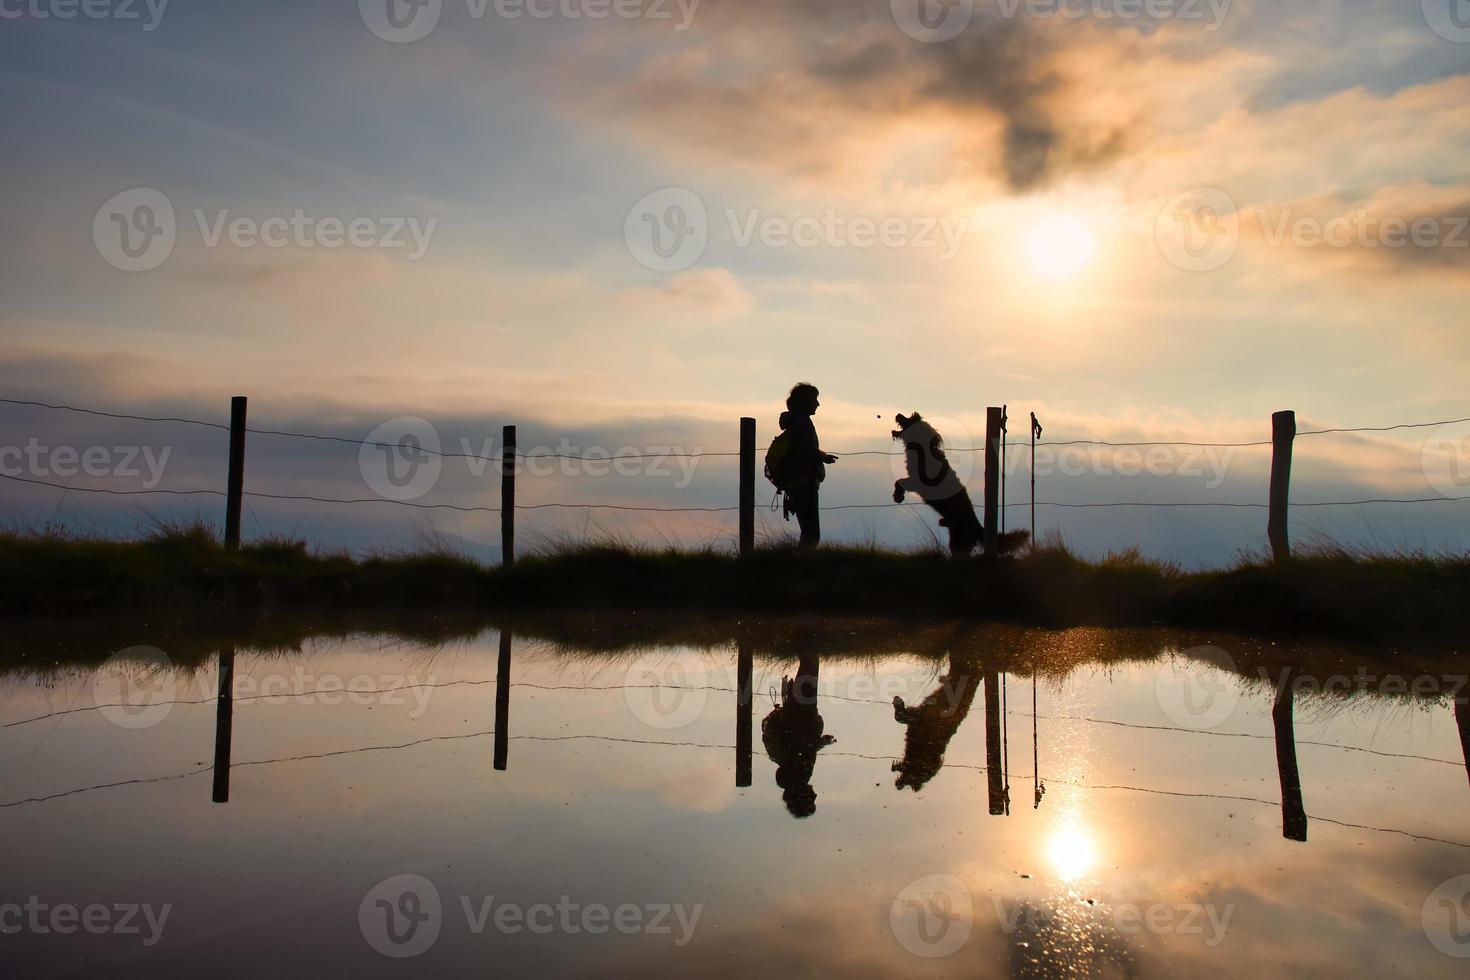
1293,813
1462,718
744,715
1283,431
235,481
508,496
992,480
994,776
224,717
502,699
747,486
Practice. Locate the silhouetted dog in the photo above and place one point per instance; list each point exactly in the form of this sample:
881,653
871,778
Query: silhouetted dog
933,479
930,725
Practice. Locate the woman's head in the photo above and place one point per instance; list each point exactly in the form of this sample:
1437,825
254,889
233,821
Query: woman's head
803,398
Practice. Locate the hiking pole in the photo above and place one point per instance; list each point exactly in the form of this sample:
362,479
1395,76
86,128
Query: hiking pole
1005,735
1036,787
1004,418
1035,431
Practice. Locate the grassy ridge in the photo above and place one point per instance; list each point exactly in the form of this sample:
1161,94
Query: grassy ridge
1392,597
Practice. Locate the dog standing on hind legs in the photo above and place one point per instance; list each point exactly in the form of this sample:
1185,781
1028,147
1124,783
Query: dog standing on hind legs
933,479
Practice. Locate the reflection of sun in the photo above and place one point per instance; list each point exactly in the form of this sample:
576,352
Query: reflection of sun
1060,247
1071,851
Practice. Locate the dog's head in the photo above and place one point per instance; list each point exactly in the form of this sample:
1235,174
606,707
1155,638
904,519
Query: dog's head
914,430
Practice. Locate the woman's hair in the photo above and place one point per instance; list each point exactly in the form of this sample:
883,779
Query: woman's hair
802,396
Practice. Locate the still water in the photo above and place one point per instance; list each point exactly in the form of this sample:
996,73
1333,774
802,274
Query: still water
1073,803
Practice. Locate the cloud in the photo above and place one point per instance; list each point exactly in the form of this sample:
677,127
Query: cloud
700,294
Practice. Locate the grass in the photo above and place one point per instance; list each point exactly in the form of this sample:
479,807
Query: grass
184,569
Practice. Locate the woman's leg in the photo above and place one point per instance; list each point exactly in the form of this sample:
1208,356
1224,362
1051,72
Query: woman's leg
808,515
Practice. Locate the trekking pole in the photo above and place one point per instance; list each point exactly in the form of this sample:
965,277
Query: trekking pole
1004,418
1005,735
1035,431
1036,786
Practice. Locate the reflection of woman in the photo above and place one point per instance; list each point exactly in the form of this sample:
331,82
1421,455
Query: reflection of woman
792,735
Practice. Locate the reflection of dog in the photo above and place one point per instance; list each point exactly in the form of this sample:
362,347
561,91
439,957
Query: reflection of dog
931,725
933,479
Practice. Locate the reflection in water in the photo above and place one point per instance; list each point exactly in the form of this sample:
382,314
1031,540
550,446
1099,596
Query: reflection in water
1293,813
1462,718
1000,803
502,700
224,718
930,726
792,734
1071,849
744,713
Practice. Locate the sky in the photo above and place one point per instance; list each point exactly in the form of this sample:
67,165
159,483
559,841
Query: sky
622,226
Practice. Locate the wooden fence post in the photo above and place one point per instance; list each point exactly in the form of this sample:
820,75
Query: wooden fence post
235,481
224,717
1293,813
508,496
744,712
502,699
1283,432
992,480
747,486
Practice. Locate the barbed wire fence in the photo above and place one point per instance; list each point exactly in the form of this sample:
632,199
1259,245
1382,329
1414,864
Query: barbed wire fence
997,458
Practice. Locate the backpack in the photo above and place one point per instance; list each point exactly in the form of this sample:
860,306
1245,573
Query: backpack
778,460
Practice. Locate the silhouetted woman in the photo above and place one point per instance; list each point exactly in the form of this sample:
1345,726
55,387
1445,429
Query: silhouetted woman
805,467
793,735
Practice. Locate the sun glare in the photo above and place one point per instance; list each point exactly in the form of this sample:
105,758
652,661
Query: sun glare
1061,247
1071,851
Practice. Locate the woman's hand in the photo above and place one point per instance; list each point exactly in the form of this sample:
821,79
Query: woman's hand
828,458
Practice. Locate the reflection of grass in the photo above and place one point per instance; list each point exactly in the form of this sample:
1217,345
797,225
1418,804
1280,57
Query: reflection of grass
185,569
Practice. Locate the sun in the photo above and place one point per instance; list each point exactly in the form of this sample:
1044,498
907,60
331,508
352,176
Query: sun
1060,247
